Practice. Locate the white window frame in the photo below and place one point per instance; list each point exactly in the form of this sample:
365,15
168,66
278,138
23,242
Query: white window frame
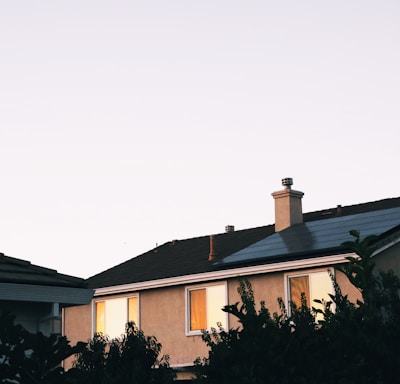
105,299
307,272
190,288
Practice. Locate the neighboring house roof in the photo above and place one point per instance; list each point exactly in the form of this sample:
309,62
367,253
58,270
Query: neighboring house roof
322,232
22,281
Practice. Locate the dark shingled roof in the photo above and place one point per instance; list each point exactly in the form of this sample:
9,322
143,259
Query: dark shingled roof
190,256
19,271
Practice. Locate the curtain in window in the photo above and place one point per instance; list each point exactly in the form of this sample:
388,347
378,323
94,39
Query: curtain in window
100,317
133,313
299,285
198,309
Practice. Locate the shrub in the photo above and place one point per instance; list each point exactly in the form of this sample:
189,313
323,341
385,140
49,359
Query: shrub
133,358
355,343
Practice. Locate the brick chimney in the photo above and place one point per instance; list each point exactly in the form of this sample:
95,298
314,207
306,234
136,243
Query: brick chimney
288,210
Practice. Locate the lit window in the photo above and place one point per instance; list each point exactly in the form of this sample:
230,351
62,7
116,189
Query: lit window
112,315
204,308
314,285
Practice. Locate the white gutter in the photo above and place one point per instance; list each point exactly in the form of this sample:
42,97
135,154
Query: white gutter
388,245
224,274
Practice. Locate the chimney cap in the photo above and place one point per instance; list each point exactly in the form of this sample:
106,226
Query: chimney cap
287,182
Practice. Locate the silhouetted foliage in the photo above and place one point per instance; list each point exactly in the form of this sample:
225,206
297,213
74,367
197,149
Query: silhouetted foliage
354,343
28,358
133,358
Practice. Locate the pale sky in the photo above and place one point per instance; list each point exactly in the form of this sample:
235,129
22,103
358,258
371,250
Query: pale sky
126,124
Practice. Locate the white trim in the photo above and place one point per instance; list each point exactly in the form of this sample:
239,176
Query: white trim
386,246
183,365
224,274
288,275
100,300
188,332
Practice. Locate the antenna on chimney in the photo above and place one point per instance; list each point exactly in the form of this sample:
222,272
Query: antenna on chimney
287,182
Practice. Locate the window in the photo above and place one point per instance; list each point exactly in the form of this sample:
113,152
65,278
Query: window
315,285
111,315
204,308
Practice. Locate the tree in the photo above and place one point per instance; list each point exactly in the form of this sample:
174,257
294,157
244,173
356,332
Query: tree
12,348
354,343
133,358
29,358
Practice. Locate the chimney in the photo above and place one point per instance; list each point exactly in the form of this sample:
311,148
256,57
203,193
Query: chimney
288,210
229,228
213,253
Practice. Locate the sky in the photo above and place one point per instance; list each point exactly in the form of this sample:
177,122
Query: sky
128,124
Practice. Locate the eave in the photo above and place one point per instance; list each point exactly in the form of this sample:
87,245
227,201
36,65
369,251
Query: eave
225,274
45,294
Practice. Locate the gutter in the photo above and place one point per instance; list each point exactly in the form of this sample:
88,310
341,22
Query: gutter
224,274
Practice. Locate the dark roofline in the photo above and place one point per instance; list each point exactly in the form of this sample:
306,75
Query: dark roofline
23,271
353,209
190,256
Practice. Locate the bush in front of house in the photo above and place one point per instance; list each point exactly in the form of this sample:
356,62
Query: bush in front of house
133,358
34,358
353,343
31,358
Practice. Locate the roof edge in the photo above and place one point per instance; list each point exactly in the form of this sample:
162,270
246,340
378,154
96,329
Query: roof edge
223,274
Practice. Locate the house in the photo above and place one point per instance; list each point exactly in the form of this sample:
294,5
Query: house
37,295
177,289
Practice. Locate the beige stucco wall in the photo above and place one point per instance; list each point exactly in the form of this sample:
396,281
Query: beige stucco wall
162,312
168,304
346,287
266,288
77,326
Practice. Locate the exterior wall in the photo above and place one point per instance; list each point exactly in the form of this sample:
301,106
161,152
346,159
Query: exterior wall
266,288
346,287
77,326
162,314
168,304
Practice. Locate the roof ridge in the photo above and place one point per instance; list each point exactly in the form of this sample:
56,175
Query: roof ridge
177,257
322,212
352,209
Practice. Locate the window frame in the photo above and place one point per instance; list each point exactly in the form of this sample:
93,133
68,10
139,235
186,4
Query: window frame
104,300
188,289
300,273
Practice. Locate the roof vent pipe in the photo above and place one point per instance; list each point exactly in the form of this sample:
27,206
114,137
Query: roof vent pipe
213,253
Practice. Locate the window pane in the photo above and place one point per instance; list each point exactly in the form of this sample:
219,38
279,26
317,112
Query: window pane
133,310
198,316
100,317
116,317
321,286
299,285
216,300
